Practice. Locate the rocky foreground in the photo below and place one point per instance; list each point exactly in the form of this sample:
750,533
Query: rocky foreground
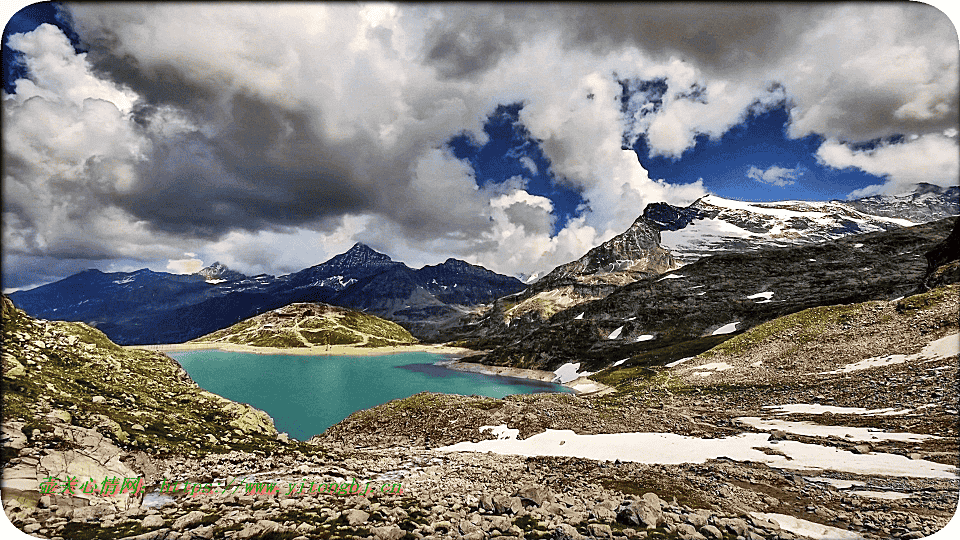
75,405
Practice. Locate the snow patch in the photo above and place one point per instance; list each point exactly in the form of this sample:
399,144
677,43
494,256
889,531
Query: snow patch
944,347
672,276
645,337
615,334
835,482
726,329
804,408
766,295
673,449
678,362
578,317
844,432
889,495
216,281
618,362
501,432
808,529
568,372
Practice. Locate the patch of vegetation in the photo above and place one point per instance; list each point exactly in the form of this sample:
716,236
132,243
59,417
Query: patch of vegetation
927,300
377,327
486,404
334,336
640,364
805,326
279,338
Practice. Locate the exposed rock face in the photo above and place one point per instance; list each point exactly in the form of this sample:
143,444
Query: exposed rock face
636,251
926,203
625,258
707,297
943,261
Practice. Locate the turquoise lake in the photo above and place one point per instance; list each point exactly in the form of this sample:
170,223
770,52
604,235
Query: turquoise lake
307,394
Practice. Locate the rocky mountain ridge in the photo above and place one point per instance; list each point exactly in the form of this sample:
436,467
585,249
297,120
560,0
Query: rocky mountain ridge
146,307
689,310
713,225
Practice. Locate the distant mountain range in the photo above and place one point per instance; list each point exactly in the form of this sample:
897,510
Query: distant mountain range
457,300
147,307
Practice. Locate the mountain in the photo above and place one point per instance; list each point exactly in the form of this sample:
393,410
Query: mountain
713,225
927,202
691,309
146,307
342,270
218,273
311,325
634,254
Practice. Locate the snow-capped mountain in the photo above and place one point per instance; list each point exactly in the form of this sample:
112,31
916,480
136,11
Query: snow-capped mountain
713,225
219,273
926,203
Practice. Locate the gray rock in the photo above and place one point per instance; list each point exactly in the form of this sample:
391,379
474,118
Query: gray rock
388,532
600,530
356,517
151,521
710,531
188,520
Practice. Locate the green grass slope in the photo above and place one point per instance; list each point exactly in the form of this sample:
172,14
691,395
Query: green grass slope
311,325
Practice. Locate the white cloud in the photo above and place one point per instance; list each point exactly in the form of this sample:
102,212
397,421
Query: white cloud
529,164
184,266
931,158
775,175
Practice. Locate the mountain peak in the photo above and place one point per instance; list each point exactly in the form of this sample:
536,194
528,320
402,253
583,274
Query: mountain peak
219,270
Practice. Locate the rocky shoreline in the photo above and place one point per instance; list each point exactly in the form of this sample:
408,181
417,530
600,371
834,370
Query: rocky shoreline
580,385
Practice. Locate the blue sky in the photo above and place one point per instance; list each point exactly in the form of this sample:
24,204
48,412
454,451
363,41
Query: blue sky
171,136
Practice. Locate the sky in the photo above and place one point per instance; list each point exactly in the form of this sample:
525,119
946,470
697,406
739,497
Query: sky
271,137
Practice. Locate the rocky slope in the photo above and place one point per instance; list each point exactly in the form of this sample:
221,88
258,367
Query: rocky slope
689,310
311,325
926,202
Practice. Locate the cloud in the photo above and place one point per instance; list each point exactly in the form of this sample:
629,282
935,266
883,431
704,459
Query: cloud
529,164
932,158
775,175
184,266
269,136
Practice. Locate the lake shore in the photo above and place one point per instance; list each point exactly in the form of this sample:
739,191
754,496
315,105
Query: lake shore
580,385
332,350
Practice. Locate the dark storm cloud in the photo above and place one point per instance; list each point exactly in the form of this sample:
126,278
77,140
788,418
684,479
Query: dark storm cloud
265,167
471,46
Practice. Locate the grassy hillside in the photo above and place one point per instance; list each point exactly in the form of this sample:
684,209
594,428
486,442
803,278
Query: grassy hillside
69,373
312,325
